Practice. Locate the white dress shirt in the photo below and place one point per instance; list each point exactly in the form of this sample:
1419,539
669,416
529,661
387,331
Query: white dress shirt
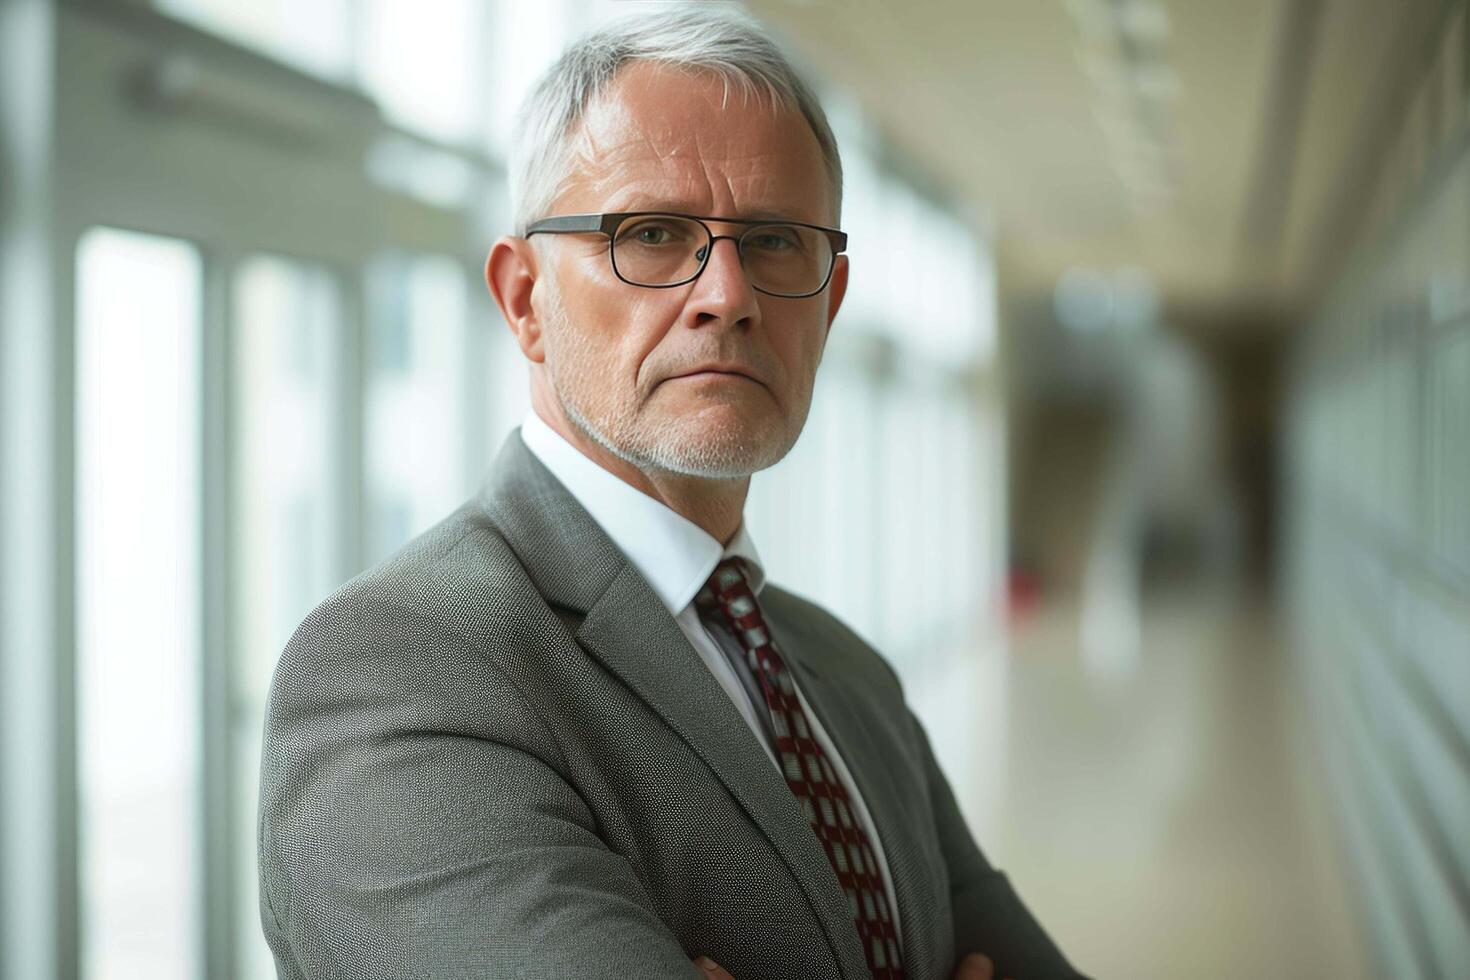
676,557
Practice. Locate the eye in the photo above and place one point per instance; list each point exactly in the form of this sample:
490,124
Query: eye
773,239
661,231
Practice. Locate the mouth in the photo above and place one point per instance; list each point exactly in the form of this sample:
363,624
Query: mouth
712,376
716,375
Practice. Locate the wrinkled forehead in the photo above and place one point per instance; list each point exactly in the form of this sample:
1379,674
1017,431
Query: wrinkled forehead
665,133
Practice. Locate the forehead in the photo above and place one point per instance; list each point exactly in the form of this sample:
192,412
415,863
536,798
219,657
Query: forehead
670,137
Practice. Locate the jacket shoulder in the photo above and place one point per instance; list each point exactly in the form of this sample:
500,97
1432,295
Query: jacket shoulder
834,643
436,613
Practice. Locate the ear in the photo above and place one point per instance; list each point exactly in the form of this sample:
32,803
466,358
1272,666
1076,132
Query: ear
836,290
511,272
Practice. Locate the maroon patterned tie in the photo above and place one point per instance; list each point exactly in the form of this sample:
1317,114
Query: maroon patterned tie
823,799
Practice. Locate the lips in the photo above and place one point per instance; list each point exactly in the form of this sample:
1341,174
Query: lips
717,369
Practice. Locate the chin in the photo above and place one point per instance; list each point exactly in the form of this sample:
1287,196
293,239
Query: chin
728,448
733,424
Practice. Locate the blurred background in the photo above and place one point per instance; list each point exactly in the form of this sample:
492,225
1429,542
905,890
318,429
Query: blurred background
1139,447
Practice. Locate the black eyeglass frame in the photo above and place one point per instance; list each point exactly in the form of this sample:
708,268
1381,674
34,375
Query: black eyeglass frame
607,223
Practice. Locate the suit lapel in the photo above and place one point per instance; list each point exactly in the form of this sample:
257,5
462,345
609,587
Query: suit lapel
816,656
575,564
632,633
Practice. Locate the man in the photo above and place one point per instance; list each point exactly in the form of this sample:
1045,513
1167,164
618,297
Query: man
572,731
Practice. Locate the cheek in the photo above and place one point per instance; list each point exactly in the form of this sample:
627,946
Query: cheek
800,343
622,325
644,319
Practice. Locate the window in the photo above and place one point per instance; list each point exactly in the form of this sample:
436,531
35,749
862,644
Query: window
418,408
314,37
138,603
287,343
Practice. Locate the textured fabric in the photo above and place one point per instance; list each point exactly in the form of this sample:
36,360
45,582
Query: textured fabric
496,755
676,557
824,801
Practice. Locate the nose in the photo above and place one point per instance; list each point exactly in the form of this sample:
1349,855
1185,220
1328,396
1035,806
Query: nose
722,291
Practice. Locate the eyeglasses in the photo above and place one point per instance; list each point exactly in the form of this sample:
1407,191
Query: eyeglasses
660,249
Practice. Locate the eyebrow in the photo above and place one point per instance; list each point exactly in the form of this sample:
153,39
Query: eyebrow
683,207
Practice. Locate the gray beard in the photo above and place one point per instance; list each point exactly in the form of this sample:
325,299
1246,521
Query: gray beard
570,363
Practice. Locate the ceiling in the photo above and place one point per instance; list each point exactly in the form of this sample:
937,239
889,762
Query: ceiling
1214,144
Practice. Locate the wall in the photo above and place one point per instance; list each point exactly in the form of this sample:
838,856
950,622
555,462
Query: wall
1376,511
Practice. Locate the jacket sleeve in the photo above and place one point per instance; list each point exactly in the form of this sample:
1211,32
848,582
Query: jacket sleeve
414,823
989,916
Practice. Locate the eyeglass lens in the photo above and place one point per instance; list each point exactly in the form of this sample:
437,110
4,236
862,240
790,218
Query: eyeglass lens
661,250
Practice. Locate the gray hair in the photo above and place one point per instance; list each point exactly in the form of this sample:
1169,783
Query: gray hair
721,41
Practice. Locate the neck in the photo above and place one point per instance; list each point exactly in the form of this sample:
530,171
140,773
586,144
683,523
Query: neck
717,506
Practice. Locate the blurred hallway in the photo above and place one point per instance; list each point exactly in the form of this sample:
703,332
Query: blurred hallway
1171,825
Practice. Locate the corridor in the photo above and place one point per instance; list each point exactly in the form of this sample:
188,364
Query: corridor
1169,823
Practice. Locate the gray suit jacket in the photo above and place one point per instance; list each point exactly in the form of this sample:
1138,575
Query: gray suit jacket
497,755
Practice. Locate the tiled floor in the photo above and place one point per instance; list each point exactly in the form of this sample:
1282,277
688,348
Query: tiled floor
1168,823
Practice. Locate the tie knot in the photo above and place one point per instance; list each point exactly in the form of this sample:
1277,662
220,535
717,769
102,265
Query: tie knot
728,576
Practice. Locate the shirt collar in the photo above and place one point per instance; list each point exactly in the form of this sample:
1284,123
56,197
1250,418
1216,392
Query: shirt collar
675,555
